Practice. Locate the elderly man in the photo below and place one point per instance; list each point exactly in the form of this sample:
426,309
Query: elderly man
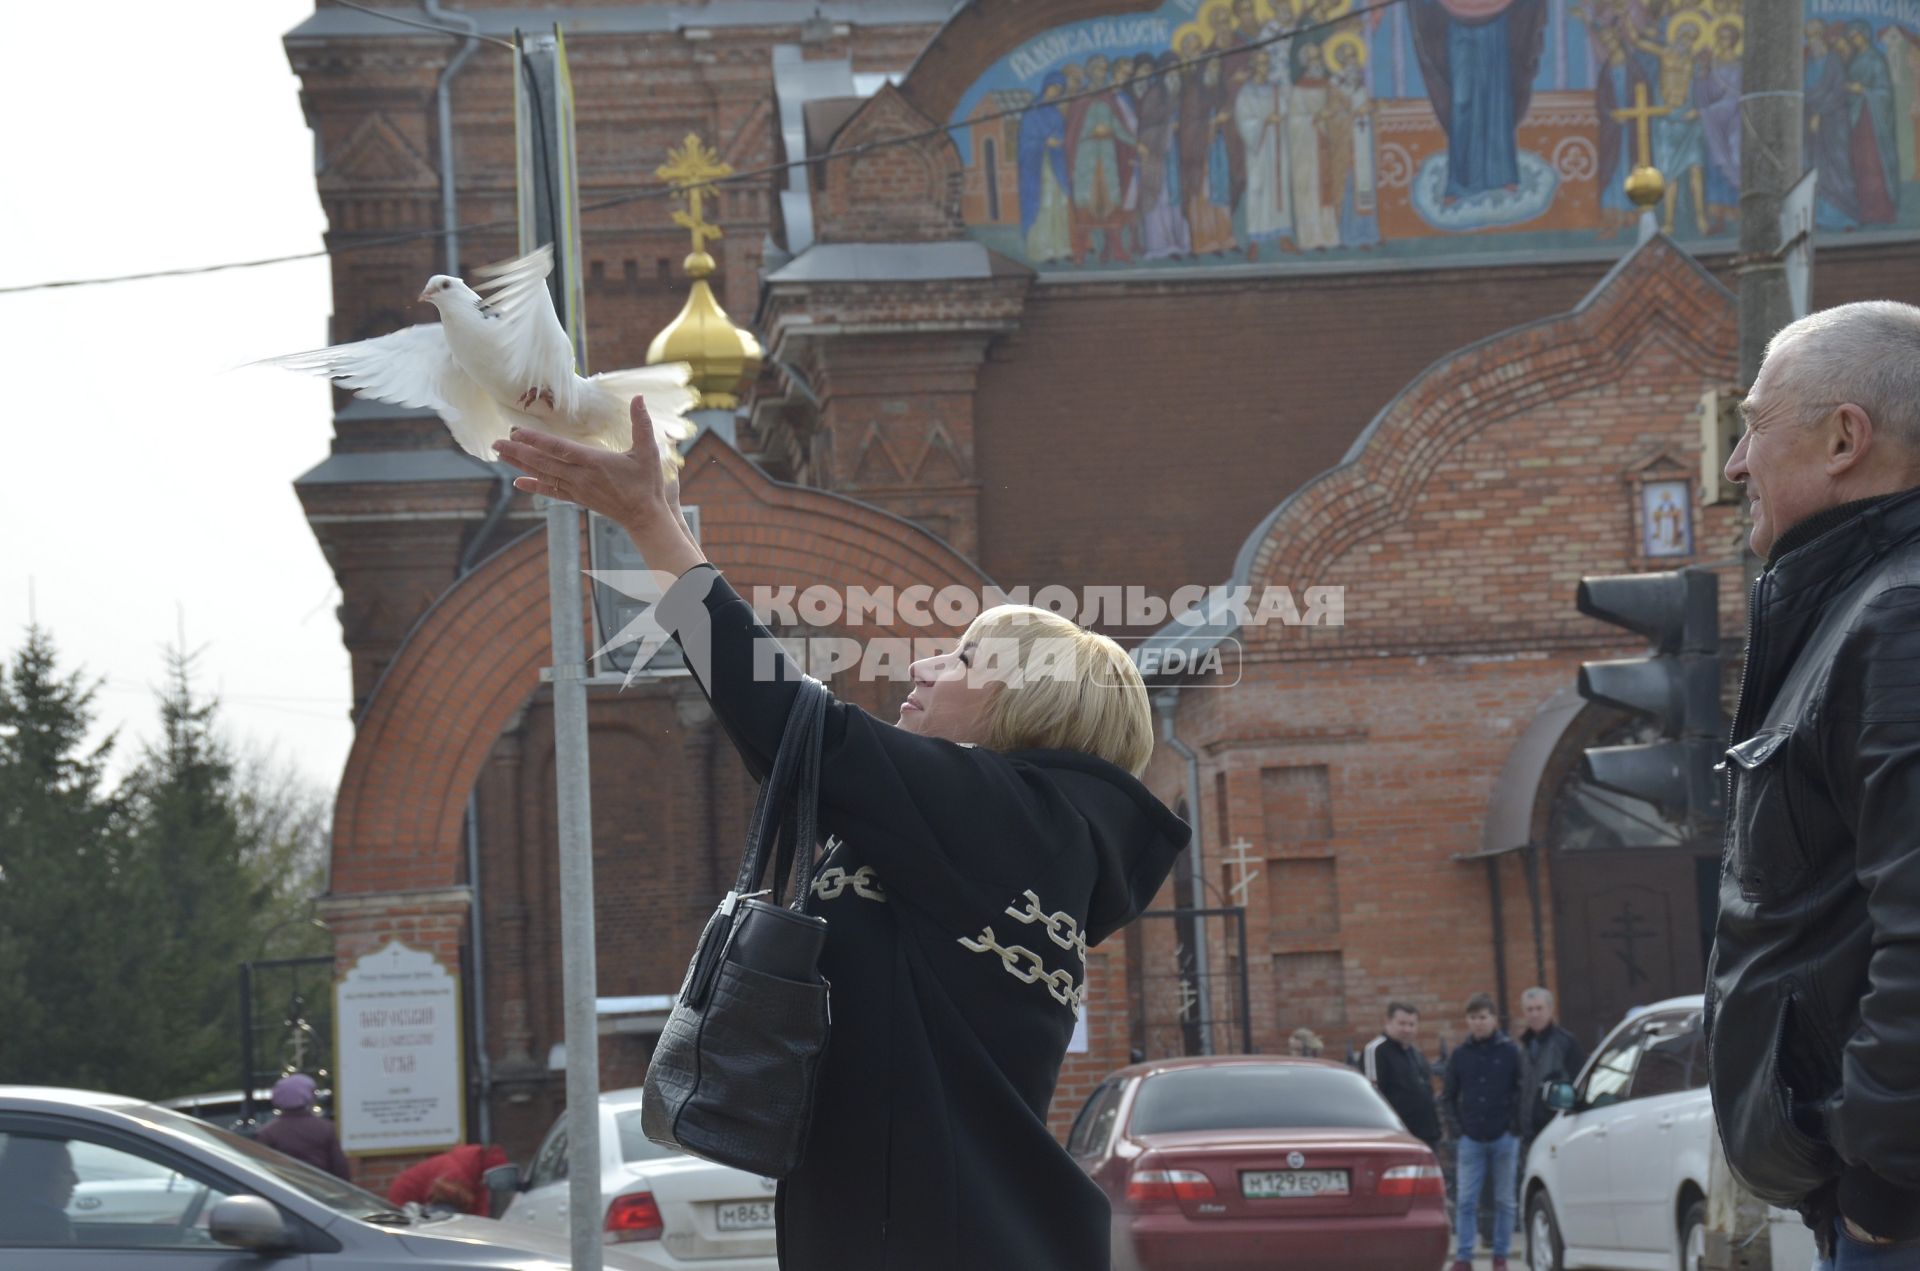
1813,993
1548,1052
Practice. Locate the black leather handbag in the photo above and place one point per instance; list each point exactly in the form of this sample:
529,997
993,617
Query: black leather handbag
733,1075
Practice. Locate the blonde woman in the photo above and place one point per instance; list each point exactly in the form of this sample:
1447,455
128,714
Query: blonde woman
986,839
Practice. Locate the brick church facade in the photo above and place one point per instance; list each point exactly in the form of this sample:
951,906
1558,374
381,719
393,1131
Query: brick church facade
1390,802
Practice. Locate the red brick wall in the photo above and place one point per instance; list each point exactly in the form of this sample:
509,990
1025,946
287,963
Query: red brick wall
1359,760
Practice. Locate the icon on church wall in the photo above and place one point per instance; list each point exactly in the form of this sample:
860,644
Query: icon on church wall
1666,518
1228,132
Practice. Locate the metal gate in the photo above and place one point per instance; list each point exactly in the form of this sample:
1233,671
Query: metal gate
286,1025
1187,979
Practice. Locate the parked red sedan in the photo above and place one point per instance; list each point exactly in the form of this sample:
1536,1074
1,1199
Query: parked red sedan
1259,1161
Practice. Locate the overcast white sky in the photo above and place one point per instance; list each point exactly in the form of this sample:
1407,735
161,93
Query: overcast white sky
149,486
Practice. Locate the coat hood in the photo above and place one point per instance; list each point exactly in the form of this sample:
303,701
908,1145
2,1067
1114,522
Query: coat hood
1136,838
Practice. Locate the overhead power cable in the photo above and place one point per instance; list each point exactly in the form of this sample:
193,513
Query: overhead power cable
668,191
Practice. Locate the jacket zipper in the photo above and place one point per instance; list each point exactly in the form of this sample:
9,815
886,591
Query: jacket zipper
1740,701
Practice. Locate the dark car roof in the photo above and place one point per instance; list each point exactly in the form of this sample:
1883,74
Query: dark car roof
1154,1066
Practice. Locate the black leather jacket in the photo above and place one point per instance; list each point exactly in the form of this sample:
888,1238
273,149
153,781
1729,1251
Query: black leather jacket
1813,996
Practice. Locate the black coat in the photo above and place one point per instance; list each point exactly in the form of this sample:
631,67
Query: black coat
1482,1094
1813,993
1554,1055
961,891
1406,1080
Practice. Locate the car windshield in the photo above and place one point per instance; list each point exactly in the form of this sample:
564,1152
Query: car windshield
634,1143
1259,1096
316,1185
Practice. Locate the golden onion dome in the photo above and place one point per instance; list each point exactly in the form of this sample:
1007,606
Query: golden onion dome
723,357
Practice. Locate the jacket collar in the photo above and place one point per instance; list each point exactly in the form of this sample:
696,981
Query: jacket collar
1830,546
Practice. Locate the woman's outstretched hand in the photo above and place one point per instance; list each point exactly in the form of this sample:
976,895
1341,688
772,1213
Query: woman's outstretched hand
629,489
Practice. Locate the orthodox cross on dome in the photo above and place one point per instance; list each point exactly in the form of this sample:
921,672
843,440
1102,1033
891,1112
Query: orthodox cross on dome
1640,114
1244,870
691,170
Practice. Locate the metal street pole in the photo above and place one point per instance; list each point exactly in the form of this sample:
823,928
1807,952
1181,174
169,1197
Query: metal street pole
1772,115
1772,112
549,213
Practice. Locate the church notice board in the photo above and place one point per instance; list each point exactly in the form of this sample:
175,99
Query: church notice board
400,1080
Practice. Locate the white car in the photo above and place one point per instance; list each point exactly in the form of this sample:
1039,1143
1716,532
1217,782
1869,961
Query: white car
675,1210
1619,1178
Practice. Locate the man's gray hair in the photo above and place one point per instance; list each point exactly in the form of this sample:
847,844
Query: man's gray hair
1866,353
1537,994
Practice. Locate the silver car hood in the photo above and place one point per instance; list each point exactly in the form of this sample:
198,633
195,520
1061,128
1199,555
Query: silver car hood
489,1242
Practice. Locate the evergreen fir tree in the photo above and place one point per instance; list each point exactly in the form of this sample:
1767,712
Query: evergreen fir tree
208,890
125,914
64,878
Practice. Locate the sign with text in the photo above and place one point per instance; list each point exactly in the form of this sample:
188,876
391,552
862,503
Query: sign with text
400,1080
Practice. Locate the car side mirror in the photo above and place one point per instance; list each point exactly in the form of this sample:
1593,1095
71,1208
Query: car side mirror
501,1182
1560,1096
249,1222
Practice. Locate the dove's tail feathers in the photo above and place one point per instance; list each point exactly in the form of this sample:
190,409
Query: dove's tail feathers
664,388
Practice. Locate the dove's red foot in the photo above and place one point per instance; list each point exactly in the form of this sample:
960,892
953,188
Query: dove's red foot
546,395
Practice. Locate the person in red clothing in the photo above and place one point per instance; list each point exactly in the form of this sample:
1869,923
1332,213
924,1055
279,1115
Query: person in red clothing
452,1180
300,1131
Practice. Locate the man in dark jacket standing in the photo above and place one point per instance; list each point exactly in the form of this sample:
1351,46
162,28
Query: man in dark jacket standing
1548,1052
1813,995
1482,1102
1394,1063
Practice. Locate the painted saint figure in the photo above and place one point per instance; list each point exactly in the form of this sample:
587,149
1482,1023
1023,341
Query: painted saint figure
1350,113
1478,58
1679,141
1206,165
1260,114
1875,166
1316,219
1829,140
1163,225
1046,212
1717,90
1100,145
1621,67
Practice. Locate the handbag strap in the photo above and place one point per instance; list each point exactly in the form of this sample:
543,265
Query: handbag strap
801,833
805,724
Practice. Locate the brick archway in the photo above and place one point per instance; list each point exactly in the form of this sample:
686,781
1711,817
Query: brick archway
1659,294
476,655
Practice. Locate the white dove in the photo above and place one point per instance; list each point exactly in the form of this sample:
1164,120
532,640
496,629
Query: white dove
494,364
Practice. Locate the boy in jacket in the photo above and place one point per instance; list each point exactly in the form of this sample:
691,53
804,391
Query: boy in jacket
1482,1102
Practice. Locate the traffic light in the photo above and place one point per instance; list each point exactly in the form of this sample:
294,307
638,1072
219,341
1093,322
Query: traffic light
1677,686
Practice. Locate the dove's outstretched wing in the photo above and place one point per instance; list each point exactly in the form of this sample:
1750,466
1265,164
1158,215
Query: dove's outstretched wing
411,367
532,344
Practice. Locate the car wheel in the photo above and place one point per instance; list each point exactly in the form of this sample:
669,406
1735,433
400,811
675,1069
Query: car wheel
1693,1237
1543,1234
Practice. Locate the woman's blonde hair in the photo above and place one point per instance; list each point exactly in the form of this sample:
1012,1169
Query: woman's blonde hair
1062,687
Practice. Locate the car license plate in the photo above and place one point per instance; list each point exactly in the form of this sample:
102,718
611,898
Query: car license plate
1294,1182
745,1215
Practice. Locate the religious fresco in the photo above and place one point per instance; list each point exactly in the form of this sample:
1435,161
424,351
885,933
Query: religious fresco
1431,128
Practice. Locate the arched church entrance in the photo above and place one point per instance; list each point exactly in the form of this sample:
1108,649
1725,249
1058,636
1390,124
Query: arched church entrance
1633,893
